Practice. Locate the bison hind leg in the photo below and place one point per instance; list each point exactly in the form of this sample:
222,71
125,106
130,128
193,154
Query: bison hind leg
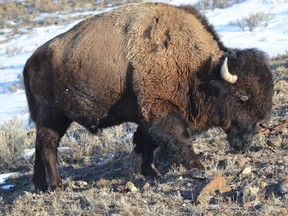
39,177
50,130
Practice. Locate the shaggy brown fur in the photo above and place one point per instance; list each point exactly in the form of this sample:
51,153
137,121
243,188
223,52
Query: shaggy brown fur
153,64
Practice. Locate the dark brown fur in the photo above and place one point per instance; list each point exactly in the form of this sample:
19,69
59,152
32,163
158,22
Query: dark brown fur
153,64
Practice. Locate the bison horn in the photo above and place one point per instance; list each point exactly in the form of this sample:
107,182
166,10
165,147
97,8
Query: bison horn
225,74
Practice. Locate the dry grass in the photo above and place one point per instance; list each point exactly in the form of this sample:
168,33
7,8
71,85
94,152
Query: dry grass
212,4
13,141
28,14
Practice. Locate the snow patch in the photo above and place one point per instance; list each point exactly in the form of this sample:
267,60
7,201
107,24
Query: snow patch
4,177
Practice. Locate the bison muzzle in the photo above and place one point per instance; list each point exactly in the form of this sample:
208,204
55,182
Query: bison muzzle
160,66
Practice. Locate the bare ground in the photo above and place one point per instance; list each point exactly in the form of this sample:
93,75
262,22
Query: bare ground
96,169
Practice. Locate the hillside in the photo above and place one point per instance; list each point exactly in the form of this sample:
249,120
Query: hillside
96,169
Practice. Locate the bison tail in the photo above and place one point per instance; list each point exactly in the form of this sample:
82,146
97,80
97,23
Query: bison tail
29,96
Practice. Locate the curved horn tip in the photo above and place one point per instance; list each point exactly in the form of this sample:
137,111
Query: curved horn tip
225,74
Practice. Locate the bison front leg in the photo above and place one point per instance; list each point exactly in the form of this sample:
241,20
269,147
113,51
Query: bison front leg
173,132
176,134
146,146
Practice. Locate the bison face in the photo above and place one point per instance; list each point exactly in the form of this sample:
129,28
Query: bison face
240,138
248,99
244,100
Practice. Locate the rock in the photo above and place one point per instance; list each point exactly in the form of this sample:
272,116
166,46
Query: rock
209,213
81,184
121,189
263,184
274,141
225,190
242,161
28,194
284,187
130,187
247,205
247,171
251,192
217,183
146,186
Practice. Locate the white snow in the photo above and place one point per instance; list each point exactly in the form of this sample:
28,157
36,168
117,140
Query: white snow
272,39
7,187
27,154
3,178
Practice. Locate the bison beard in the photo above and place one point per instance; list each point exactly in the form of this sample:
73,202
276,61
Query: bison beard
160,66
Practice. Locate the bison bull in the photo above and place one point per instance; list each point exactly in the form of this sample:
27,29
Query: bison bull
160,66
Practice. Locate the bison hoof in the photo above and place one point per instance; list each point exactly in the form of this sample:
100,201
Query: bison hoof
56,186
41,189
194,165
150,170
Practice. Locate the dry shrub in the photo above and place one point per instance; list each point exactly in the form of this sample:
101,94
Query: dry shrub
212,4
254,20
16,85
110,143
22,13
13,141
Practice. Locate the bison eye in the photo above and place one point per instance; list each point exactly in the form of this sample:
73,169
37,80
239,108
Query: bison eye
242,95
244,98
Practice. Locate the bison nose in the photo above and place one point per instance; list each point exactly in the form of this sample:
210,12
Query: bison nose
260,126
264,125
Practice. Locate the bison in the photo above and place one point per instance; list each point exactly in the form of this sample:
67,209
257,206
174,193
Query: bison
160,66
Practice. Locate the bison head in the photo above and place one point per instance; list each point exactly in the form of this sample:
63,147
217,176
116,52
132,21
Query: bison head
249,96
242,96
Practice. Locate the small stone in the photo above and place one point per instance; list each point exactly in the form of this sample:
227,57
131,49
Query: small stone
242,161
248,205
284,187
130,187
263,184
82,184
225,190
249,191
28,194
254,191
274,141
209,213
247,171
217,183
146,186
120,189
